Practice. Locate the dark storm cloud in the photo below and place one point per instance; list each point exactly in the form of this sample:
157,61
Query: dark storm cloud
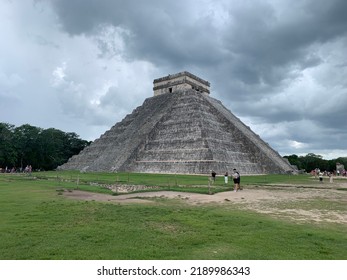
269,48
250,52
280,65
164,32
256,44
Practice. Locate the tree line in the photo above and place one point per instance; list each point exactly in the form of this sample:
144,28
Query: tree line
46,149
312,161
43,149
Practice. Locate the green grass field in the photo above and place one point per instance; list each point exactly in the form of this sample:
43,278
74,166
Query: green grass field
37,222
166,179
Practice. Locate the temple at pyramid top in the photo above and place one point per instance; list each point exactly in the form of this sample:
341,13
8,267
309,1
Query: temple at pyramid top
180,81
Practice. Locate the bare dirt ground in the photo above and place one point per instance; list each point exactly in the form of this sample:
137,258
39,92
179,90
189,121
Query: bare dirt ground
316,203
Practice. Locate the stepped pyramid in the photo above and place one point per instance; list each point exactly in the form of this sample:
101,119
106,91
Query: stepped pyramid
181,129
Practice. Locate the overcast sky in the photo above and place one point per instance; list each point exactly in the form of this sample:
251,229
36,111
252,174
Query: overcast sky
82,65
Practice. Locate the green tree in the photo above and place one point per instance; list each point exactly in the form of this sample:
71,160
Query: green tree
295,160
41,148
52,148
74,144
56,147
312,161
342,160
8,152
26,143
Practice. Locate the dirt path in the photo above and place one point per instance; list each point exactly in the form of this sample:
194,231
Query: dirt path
316,204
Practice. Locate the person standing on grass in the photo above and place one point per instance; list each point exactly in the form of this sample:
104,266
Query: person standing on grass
331,177
213,174
236,179
226,178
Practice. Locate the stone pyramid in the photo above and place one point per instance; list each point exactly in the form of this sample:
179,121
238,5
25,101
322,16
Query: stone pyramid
181,129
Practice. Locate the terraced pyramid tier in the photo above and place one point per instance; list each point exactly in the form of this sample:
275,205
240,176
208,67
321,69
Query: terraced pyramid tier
185,131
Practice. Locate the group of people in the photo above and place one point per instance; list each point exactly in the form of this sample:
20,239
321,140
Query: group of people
235,176
27,169
334,173
321,174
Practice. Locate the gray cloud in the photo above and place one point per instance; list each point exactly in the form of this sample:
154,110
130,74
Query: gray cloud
280,65
256,44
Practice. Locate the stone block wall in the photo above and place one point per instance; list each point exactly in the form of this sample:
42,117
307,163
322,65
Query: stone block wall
179,82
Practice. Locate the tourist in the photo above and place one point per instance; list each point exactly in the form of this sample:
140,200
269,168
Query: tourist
236,179
331,177
320,177
226,178
213,174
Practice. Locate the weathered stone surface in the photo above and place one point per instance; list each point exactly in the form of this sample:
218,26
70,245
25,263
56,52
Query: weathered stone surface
180,132
178,82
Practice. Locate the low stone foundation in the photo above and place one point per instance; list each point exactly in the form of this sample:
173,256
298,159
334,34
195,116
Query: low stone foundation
121,188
